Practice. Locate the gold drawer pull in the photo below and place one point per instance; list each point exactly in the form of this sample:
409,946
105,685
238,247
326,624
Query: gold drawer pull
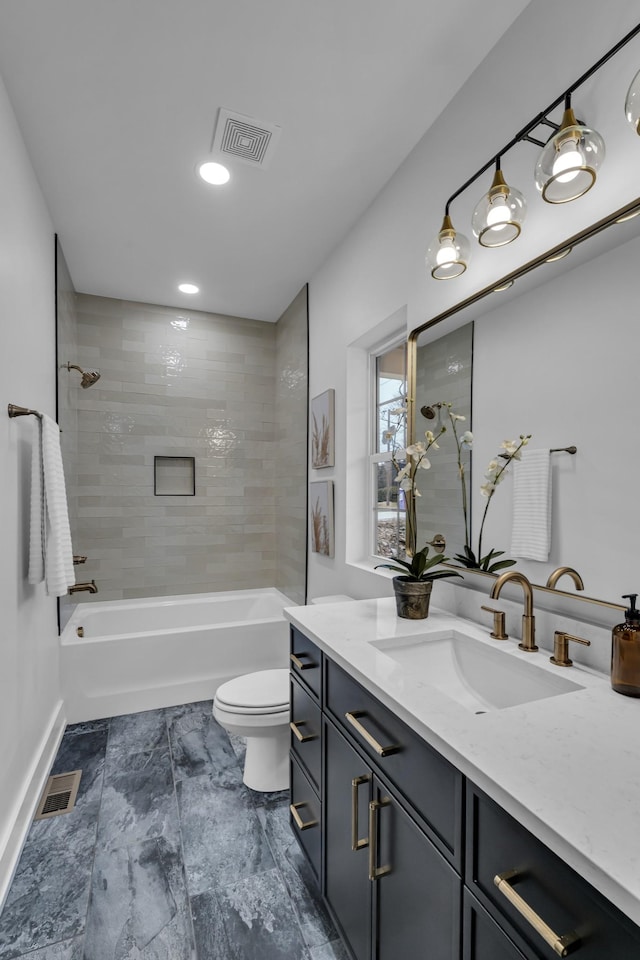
559,944
375,872
356,843
300,823
295,659
302,737
379,749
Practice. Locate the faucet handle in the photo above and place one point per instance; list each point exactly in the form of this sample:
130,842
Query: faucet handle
561,648
499,632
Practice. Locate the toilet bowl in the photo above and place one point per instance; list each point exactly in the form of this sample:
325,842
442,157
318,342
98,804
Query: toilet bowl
256,706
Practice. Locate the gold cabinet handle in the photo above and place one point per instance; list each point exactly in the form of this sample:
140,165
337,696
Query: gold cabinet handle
357,843
302,737
373,743
560,944
375,872
295,659
300,823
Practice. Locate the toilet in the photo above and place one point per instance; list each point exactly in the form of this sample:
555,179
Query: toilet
256,706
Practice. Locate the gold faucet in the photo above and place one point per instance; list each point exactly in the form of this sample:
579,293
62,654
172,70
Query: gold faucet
528,620
559,572
89,586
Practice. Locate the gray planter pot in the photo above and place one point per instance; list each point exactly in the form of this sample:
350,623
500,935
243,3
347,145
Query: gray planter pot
412,597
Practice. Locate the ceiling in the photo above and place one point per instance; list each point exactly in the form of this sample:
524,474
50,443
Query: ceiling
117,102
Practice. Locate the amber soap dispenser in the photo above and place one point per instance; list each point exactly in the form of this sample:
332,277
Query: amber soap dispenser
625,651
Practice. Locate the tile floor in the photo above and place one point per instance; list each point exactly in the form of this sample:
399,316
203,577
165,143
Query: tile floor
166,856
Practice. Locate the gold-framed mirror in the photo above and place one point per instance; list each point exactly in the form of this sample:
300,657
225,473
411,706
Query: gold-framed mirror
556,353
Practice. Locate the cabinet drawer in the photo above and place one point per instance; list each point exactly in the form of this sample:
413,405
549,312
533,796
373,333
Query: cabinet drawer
306,731
425,779
305,816
569,906
306,661
482,938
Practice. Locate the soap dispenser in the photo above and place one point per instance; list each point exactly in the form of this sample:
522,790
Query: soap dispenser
625,651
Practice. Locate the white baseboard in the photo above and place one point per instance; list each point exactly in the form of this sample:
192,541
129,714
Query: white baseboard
24,808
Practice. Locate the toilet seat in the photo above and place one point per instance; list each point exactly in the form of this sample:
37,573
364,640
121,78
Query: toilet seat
265,692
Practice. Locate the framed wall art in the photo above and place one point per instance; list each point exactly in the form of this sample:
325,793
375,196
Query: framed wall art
323,430
321,509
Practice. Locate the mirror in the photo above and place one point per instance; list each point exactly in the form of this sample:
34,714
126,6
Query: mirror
555,356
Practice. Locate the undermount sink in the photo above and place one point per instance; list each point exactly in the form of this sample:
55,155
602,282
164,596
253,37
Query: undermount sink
476,675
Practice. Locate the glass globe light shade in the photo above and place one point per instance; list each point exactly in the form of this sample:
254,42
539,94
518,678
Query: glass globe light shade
448,253
498,218
632,103
568,164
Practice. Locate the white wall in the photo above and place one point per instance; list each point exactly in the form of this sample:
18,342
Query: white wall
30,707
379,267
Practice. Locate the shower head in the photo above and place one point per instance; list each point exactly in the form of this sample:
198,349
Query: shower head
89,377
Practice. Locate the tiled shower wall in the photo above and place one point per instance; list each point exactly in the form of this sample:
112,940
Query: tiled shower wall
185,384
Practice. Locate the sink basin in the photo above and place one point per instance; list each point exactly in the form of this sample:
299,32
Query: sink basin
478,676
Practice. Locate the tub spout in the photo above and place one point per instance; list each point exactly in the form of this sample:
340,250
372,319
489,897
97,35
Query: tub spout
89,586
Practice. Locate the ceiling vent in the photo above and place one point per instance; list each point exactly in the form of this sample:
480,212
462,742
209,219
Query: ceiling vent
245,138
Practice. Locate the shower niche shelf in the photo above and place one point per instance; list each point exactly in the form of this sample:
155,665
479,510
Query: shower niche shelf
174,476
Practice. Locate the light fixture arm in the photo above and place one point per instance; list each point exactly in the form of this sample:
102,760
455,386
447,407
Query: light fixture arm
542,117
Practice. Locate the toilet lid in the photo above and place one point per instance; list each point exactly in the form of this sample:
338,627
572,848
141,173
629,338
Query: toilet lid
265,691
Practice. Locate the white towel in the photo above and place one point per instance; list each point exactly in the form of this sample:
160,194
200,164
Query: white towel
51,553
37,523
531,530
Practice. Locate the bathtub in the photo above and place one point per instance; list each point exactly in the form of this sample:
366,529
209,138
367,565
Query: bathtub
123,656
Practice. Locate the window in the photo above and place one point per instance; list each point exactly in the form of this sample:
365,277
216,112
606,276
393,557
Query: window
389,439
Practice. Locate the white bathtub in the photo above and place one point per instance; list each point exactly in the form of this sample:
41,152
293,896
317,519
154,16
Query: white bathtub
123,656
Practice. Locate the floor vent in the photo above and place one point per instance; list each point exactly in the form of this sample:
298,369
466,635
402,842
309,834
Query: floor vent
59,795
249,140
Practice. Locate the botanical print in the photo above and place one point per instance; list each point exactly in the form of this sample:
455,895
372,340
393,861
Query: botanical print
322,430
321,504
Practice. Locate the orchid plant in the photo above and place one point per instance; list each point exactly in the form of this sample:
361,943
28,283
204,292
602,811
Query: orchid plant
510,450
416,459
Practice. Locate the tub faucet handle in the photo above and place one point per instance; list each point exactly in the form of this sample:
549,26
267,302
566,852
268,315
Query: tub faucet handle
498,632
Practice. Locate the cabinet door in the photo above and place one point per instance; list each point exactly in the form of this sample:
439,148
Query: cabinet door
346,871
417,893
482,937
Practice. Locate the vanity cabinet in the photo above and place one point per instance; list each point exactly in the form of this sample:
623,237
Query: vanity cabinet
388,886
413,860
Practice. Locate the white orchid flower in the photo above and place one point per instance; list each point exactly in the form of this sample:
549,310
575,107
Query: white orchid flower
389,434
424,464
404,472
407,484
467,438
429,435
457,416
416,449
487,489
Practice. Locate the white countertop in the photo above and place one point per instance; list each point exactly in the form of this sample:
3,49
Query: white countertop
567,767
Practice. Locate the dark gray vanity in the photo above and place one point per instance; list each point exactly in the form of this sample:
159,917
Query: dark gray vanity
408,852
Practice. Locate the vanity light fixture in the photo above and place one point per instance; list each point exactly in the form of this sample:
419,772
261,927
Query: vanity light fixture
504,286
560,255
213,173
566,169
448,253
188,288
632,103
569,162
497,219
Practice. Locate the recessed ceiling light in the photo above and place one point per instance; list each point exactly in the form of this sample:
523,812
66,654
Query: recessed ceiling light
214,173
188,288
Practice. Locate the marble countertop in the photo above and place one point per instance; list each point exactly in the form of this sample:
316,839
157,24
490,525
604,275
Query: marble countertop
567,766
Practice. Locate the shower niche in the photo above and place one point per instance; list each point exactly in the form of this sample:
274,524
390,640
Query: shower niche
174,476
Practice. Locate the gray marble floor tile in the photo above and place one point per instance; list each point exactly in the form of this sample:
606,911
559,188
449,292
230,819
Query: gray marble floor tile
86,752
138,800
86,726
269,799
315,922
239,746
335,950
200,746
139,906
221,834
49,894
136,733
208,928
259,920
63,950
